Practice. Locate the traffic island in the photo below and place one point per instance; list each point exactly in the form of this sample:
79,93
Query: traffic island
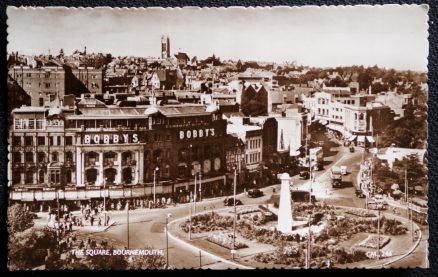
340,237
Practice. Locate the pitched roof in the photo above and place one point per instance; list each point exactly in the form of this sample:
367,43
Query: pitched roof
182,55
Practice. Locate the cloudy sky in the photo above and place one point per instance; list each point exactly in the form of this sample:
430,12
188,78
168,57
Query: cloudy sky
389,36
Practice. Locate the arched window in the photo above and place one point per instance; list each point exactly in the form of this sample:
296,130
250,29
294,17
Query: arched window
55,156
68,176
29,177
41,157
91,175
157,155
91,158
126,158
127,175
41,177
69,156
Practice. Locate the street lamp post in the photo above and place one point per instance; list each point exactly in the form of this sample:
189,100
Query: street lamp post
378,234
104,201
167,239
155,173
190,222
194,196
200,186
127,222
59,214
234,219
412,219
308,252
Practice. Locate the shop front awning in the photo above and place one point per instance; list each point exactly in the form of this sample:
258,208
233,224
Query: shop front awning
323,122
361,138
353,137
370,139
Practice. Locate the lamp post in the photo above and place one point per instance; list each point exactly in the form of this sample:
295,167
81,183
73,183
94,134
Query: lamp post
104,201
127,222
59,215
378,234
233,250
190,222
412,219
155,173
308,252
167,239
200,186
194,196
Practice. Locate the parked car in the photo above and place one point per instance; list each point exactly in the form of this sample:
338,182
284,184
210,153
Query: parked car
230,202
304,175
377,206
359,193
254,193
343,169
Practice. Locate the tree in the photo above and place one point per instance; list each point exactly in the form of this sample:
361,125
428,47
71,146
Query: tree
416,171
19,219
28,249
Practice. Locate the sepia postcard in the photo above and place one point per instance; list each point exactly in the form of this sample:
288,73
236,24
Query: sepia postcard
217,138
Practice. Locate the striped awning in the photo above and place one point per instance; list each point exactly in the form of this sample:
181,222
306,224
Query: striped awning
370,139
361,138
353,137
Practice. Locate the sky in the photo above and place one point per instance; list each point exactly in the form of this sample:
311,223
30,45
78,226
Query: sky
390,36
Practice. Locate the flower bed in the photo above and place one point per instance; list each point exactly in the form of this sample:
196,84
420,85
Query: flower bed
246,210
207,222
225,240
372,240
360,213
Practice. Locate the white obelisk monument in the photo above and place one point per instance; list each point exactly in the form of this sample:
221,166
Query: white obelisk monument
284,224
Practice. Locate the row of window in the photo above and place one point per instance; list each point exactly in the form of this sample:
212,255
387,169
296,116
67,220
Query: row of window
41,157
36,75
254,143
54,176
253,158
41,141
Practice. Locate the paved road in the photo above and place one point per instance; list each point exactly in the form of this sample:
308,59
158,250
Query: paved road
146,227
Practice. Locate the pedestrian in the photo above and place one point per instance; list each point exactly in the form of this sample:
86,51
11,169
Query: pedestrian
91,221
107,220
70,225
99,223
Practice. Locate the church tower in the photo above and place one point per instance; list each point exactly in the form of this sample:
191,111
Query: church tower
165,47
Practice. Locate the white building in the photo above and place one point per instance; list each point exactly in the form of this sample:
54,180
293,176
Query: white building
252,137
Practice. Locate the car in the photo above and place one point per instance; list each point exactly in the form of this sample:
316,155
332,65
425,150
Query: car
377,206
230,202
304,175
352,149
343,169
359,193
254,193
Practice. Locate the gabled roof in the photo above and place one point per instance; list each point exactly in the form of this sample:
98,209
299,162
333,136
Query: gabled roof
181,56
91,102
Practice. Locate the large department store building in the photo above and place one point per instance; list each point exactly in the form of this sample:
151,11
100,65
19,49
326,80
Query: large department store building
89,150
